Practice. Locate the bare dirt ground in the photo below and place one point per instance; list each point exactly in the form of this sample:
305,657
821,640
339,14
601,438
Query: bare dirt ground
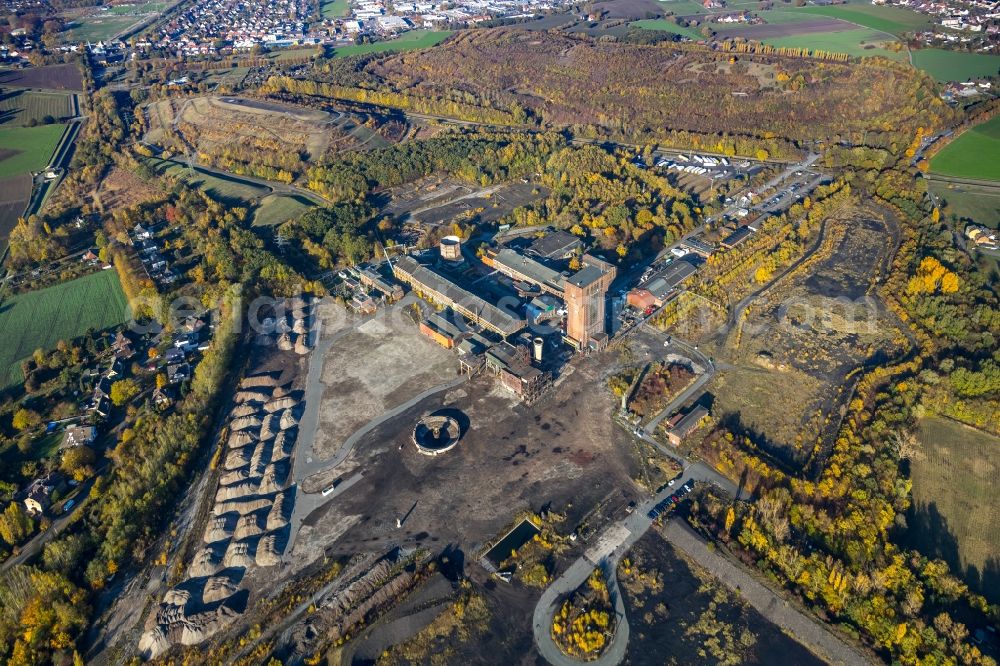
437,200
677,611
500,467
785,372
55,77
381,364
121,189
212,122
15,192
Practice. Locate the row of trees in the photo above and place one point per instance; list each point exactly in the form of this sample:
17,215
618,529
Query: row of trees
439,105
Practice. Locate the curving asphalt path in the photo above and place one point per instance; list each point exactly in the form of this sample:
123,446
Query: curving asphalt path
608,548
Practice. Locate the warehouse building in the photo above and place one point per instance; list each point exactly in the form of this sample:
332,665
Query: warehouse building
556,245
525,269
372,280
656,289
686,425
442,331
445,292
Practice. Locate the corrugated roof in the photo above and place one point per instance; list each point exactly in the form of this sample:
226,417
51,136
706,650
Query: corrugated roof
534,270
466,302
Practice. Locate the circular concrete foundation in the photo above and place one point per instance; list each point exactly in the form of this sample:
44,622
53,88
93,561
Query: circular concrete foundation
436,434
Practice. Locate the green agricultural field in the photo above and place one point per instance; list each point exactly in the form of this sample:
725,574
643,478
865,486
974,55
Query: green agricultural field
668,26
955,476
229,188
970,202
276,209
138,9
956,65
894,20
40,319
98,27
24,149
974,154
21,107
859,42
782,17
683,7
334,8
414,39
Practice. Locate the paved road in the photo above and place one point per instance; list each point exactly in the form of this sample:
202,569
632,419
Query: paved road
605,552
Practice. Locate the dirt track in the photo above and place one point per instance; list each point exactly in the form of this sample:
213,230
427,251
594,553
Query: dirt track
808,631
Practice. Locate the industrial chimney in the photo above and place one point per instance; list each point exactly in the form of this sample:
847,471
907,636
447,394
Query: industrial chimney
537,345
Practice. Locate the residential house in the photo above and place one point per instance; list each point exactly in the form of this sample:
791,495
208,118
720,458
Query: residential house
122,346
178,372
101,406
79,436
117,369
39,495
163,398
174,355
141,233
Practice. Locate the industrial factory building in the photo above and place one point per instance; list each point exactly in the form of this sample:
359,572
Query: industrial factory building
442,331
556,245
584,291
512,366
444,291
525,269
654,291
372,280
